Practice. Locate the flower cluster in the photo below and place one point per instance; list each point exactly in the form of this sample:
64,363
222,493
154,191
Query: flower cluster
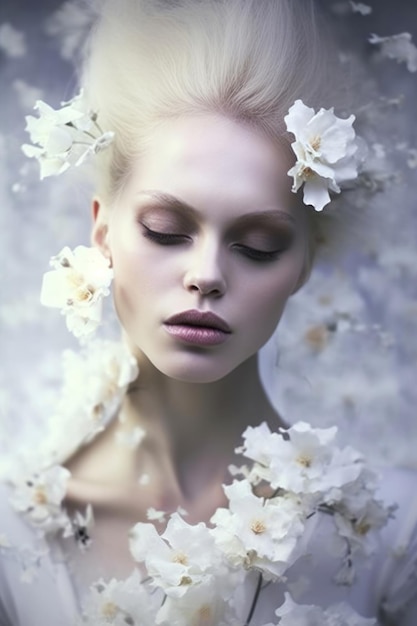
398,47
326,149
77,285
120,603
95,382
64,137
39,495
198,571
303,464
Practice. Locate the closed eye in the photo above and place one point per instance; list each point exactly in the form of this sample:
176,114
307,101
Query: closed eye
164,239
257,255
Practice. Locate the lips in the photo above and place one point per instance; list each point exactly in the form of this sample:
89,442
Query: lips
202,319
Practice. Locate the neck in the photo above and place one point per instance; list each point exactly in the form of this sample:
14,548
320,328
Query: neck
197,425
192,430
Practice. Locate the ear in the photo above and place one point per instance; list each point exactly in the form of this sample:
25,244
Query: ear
100,230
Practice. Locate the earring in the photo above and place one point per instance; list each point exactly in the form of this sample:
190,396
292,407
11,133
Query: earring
77,284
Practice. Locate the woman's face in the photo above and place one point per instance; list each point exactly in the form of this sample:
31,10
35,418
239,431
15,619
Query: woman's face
205,223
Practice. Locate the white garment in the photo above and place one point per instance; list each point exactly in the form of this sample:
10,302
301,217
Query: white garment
386,584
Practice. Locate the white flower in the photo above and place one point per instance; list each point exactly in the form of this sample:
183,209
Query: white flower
130,438
120,603
78,283
304,462
292,614
12,41
325,148
202,605
64,137
398,47
360,7
155,516
256,532
358,514
183,556
95,382
39,496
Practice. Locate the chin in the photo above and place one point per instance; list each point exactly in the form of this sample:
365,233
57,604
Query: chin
189,369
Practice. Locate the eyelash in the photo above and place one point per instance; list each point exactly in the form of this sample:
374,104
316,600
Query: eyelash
168,239
165,239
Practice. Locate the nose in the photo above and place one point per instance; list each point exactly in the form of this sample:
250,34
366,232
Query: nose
204,273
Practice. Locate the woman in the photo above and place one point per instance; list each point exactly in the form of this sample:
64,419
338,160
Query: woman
196,222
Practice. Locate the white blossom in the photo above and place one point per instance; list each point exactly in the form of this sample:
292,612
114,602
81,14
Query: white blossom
302,460
399,47
326,150
12,41
130,438
119,603
39,496
358,514
65,136
153,515
360,7
256,532
79,281
183,556
94,385
202,605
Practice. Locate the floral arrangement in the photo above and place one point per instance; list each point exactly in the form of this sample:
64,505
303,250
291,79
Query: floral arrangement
327,153
194,574
77,285
326,146
64,137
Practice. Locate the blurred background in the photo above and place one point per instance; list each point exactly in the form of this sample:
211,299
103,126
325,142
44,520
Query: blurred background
346,350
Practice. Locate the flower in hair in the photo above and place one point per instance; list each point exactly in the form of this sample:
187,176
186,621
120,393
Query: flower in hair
64,137
326,150
77,285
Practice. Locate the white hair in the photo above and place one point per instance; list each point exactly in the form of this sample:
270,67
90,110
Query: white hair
150,60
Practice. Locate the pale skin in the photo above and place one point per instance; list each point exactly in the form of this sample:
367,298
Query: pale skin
194,402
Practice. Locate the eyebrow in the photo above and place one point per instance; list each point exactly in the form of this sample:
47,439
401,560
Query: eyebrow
179,205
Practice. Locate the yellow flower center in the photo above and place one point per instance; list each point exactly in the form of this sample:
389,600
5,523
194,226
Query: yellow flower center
362,528
304,460
109,611
181,558
40,497
258,526
315,143
306,172
186,580
83,294
317,337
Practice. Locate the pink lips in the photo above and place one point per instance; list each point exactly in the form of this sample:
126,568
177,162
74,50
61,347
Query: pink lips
198,327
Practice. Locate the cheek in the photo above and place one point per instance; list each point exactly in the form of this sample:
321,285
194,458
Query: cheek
270,292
